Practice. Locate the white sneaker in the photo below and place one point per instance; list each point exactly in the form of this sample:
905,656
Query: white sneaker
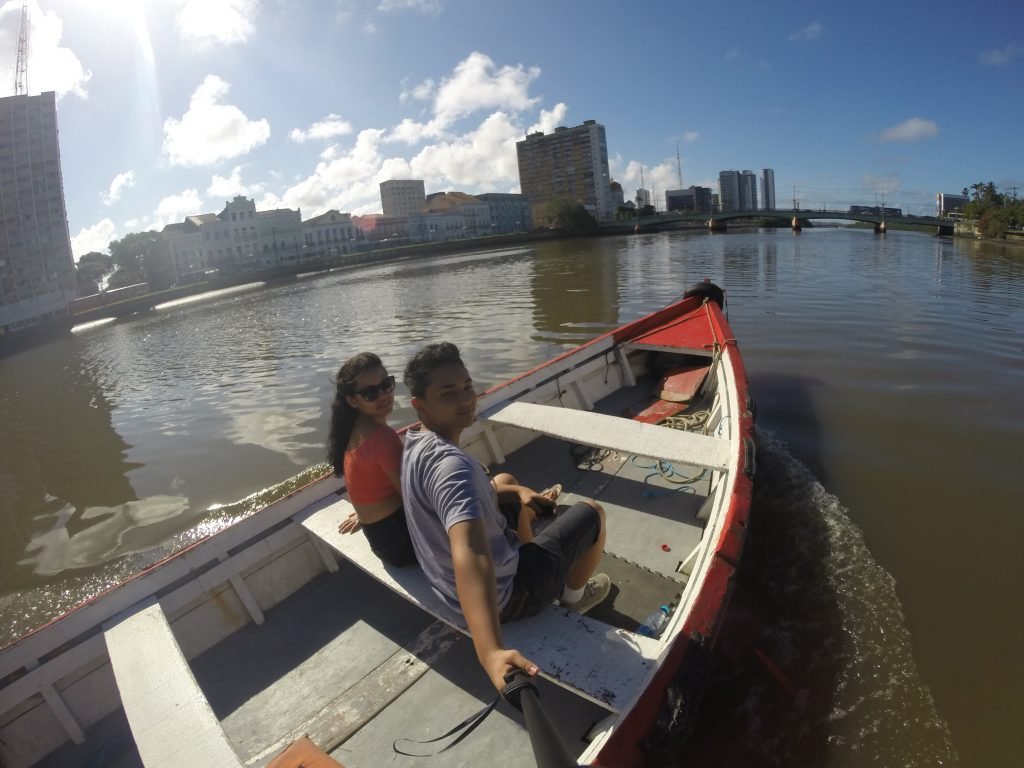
594,593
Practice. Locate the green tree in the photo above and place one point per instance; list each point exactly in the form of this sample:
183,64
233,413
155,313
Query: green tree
129,255
570,217
625,212
90,270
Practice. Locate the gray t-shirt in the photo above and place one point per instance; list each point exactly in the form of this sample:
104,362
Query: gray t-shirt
442,486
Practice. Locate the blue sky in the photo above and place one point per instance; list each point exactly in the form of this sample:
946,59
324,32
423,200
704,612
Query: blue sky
170,107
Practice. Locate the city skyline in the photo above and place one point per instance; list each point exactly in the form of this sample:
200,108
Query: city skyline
168,108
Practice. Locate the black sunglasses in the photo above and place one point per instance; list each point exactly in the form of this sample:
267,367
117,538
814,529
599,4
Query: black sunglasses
372,392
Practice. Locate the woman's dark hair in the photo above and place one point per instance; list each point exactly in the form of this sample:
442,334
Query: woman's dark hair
417,372
343,415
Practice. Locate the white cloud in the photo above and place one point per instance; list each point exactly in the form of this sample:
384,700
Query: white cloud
656,179
478,158
732,54
484,158
550,119
226,187
477,84
691,136
764,65
422,92
345,181
120,183
94,238
412,132
881,184
216,22
328,128
51,66
913,129
423,6
1000,57
174,208
811,32
210,131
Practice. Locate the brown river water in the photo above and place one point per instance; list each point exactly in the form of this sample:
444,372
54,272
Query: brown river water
877,620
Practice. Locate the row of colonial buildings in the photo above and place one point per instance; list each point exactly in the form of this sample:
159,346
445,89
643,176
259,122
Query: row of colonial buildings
242,239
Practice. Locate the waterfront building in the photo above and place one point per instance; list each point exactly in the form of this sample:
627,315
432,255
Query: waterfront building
37,270
402,197
329,234
238,239
571,163
768,189
507,212
618,196
729,190
948,204
378,228
737,190
450,216
180,256
692,198
643,197
748,191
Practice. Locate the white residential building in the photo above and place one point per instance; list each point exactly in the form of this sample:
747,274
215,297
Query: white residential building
402,197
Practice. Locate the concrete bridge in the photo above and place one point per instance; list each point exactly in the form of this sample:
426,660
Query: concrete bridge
718,222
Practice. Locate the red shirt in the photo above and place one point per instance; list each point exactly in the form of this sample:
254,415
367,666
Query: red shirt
367,466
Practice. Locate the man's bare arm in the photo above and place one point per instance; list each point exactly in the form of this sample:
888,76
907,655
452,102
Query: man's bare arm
478,597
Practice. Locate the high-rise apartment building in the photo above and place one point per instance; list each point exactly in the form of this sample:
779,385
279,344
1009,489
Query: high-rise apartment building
37,270
748,191
570,163
737,190
402,197
768,189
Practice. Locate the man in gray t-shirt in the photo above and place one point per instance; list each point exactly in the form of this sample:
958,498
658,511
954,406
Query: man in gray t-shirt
473,560
442,486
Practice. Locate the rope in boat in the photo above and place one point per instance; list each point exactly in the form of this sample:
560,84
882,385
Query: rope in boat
592,459
688,422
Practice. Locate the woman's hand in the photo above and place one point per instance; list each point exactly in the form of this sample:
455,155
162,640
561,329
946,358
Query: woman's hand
350,524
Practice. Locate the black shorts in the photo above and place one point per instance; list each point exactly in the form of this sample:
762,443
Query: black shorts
545,561
389,539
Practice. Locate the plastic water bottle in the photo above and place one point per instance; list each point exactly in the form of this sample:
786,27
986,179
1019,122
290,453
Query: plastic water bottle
654,623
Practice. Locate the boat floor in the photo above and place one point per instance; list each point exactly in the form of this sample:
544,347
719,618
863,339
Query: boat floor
334,659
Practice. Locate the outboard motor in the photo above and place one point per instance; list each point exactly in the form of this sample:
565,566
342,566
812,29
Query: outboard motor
707,290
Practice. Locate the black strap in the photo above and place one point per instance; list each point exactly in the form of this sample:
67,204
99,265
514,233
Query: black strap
515,682
470,724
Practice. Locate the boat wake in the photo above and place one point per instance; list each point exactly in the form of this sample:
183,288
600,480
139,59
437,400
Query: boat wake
814,664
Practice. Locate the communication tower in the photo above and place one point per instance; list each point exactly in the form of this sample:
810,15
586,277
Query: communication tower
21,69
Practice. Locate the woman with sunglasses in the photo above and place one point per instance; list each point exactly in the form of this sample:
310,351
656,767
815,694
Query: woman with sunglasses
364,450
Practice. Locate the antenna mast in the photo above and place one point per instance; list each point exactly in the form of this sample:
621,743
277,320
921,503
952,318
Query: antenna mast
21,70
679,166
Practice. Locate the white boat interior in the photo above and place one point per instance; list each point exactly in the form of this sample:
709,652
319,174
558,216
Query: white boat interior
280,626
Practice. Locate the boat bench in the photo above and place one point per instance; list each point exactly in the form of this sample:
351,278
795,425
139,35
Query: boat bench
598,430
604,664
170,718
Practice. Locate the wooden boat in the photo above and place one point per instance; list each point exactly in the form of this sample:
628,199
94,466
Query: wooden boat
278,626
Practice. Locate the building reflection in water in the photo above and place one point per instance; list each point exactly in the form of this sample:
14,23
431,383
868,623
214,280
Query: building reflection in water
64,475
575,291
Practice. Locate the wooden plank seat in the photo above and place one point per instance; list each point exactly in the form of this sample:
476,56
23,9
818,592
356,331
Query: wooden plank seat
170,718
604,664
598,430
